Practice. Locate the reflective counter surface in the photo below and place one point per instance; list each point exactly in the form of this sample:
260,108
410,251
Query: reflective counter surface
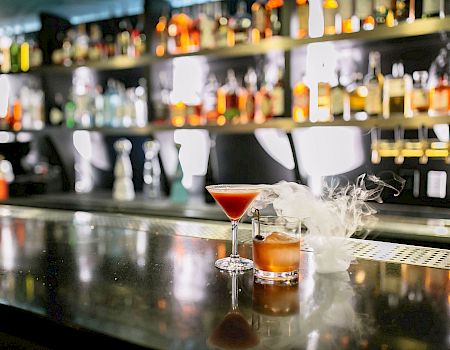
154,285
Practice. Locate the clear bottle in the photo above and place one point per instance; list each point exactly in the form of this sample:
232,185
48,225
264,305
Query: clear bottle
247,96
207,26
227,98
330,9
303,18
340,103
346,12
384,12
152,170
374,81
357,94
242,23
261,24
397,93
277,96
224,35
300,103
439,74
324,102
209,100
263,102
420,94
364,12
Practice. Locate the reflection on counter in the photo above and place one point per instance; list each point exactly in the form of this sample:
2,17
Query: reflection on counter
156,286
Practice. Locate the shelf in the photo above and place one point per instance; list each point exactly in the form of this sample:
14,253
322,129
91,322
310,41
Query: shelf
419,27
285,124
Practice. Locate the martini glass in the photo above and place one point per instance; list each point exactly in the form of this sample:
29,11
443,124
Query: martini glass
234,200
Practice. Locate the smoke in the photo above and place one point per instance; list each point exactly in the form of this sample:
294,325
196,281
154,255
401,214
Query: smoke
338,213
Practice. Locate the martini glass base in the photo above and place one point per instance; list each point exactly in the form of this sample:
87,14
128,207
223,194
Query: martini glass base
234,264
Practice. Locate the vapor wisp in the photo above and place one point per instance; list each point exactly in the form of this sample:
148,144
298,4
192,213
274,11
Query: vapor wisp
337,214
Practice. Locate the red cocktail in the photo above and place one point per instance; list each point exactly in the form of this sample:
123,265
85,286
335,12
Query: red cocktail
234,200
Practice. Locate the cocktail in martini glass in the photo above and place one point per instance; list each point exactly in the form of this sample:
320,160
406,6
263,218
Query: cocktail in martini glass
234,200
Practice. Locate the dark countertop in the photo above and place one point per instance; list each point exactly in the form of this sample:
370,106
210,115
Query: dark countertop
153,284
431,225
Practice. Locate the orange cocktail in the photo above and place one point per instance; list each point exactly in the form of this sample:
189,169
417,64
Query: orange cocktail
276,248
234,200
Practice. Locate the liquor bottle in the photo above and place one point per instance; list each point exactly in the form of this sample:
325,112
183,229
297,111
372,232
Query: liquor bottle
324,102
277,97
401,10
433,8
397,93
5,46
357,94
373,81
24,55
224,34
152,170
179,32
194,29
273,8
162,36
247,97
261,25
140,103
95,43
209,100
227,98
56,116
81,44
14,52
364,12
420,94
123,188
69,111
300,104
439,97
303,18
35,54
123,39
330,8
242,23
263,99
339,99
346,13
384,13
207,27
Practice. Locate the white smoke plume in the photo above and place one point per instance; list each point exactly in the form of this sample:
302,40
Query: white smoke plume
341,211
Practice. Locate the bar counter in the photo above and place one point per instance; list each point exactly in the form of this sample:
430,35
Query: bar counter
72,279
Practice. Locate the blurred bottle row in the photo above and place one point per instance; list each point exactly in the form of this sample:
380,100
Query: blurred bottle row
79,45
349,16
254,100
211,25
25,110
18,53
374,95
89,106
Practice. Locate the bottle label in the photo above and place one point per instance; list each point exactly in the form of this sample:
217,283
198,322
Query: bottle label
363,8
430,7
303,18
440,100
346,9
397,87
420,99
278,101
383,3
329,16
337,101
265,106
373,100
301,101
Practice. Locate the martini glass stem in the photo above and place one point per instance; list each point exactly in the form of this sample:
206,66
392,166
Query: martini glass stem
234,239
